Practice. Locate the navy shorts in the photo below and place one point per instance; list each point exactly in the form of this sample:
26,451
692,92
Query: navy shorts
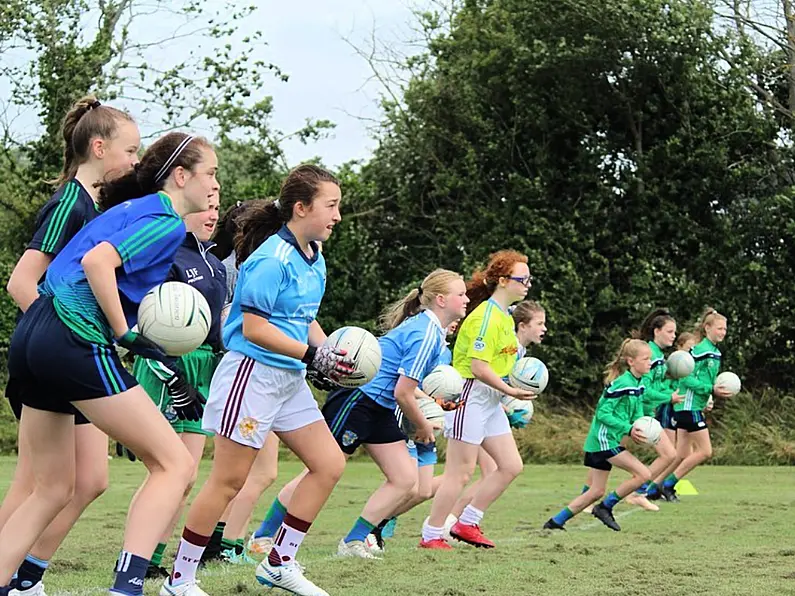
52,366
690,420
665,416
13,394
598,460
355,419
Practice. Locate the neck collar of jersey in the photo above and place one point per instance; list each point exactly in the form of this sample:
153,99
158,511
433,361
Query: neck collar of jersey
434,319
710,343
167,205
285,234
497,304
192,241
82,188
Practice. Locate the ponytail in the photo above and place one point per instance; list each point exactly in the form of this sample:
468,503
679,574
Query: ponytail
656,319
437,283
630,348
708,316
258,222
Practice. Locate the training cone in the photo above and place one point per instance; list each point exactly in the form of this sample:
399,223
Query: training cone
685,487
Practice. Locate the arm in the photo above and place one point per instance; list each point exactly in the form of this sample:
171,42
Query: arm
484,373
258,330
694,383
317,337
24,280
405,391
655,395
605,414
100,265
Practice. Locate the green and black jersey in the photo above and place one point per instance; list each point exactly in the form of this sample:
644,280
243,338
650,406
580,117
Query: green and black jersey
620,404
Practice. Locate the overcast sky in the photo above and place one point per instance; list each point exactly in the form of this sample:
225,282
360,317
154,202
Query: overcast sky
306,39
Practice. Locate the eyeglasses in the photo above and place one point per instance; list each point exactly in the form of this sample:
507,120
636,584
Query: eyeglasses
525,281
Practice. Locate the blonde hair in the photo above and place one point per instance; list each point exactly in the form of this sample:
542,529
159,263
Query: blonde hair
683,338
437,283
709,316
630,348
525,311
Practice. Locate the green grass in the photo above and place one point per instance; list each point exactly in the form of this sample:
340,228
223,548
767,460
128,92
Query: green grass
735,537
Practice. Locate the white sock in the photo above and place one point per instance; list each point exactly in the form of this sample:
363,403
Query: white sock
287,540
430,533
471,516
186,562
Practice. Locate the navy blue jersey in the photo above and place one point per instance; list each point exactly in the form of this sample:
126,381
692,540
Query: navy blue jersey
62,217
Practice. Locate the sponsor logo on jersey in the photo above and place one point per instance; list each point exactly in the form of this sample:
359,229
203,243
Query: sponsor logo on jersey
479,344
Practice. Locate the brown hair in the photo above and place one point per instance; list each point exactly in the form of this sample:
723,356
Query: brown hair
525,311
485,281
656,319
262,221
87,119
630,348
683,338
708,316
176,149
437,283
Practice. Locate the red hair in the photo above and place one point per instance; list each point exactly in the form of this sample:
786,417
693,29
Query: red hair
485,281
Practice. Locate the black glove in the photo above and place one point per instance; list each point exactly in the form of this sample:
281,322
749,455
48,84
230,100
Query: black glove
122,451
320,381
330,362
186,401
140,346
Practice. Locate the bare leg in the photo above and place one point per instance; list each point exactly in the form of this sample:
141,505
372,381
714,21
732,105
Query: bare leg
487,465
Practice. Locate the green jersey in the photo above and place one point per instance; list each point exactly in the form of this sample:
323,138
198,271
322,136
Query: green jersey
620,404
658,388
698,386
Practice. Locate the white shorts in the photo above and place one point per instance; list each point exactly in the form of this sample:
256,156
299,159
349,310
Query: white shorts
248,399
479,416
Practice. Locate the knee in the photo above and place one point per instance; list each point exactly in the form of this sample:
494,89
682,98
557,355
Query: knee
707,453
596,493
91,485
513,469
644,475
59,492
331,470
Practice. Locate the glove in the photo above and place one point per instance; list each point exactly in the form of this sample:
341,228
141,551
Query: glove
122,451
186,401
320,381
516,420
328,361
140,346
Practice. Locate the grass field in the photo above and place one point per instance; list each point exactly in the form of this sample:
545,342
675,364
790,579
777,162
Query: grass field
735,537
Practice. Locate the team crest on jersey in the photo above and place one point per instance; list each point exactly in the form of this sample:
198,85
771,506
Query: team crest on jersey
247,427
349,438
479,344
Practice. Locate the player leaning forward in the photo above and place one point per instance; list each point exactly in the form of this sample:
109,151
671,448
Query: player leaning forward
259,386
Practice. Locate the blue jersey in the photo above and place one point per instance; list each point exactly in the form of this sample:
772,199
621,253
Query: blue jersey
146,233
62,217
446,357
281,284
411,349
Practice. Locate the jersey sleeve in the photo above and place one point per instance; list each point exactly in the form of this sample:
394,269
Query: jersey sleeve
484,345
147,241
605,409
655,393
260,285
421,353
60,221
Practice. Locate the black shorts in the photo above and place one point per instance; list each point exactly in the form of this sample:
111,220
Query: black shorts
598,460
355,419
52,366
665,416
690,420
15,401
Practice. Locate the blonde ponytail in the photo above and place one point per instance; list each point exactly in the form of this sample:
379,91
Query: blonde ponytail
437,283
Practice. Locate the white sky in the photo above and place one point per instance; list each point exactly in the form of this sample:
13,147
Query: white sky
305,38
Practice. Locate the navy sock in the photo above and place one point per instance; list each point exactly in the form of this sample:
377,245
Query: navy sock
130,574
5,591
30,572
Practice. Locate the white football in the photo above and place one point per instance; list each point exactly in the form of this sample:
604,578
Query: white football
175,316
680,364
444,384
650,428
729,381
511,404
529,374
362,347
432,411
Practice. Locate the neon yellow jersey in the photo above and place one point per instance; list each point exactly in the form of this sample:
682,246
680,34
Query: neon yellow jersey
486,334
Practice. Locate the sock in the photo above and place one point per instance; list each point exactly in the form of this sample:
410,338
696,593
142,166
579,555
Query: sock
671,481
643,488
360,530
130,574
563,516
585,488
214,546
157,556
5,590
652,488
471,516
227,544
273,520
431,533
188,556
288,540
611,500
239,546
30,572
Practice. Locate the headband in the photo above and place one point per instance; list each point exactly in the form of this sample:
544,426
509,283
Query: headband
174,155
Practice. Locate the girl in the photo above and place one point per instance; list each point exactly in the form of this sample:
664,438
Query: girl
659,330
272,336
691,426
99,141
619,406
91,294
197,267
484,353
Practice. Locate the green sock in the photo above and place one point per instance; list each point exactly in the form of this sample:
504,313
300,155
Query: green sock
157,556
227,544
239,546
670,481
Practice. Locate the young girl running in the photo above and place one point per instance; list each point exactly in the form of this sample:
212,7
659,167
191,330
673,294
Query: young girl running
197,267
91,294
272,336
619,406
691,426
484,354
99,141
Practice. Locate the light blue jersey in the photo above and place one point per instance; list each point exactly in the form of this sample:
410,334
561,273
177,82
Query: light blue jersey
446,357
411,349
280,283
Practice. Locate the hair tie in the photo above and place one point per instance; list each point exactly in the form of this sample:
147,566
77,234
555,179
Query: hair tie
277,204
174,155
137,167
94,105
419,291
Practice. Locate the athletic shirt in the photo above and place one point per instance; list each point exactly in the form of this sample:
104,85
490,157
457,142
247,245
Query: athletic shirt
698,386
146,233
196,266
411,349
487,334
281,284
446,357
658,386
620,404
62,217
230,264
